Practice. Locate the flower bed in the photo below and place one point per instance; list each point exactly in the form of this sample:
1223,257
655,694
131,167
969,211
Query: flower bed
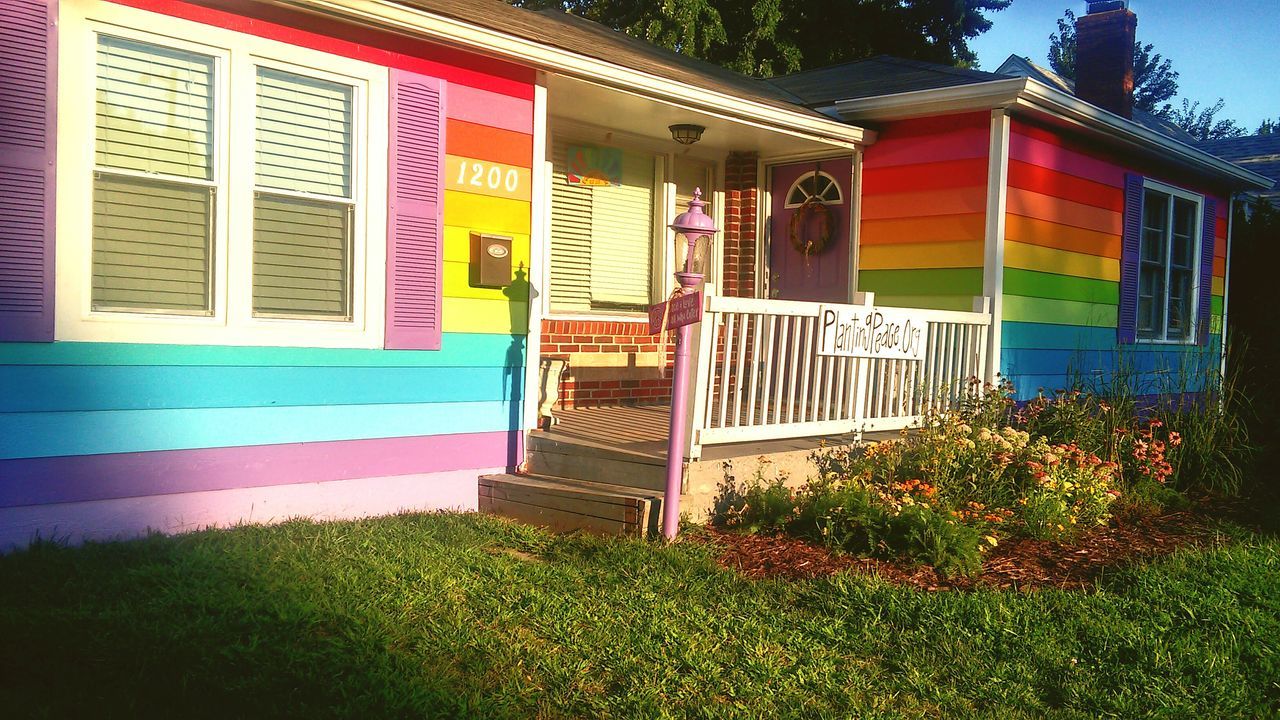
950,491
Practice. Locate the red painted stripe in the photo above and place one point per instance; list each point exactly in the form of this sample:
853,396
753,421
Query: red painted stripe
1055,157
353,41
1061,185
482,142
926,176
935,125
39,481
960,144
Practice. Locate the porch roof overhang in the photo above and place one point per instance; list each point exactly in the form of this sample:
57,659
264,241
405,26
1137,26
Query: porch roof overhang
708,101
1023,95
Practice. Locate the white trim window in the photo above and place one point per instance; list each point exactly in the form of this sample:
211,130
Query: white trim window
1168,264
818,185
237,187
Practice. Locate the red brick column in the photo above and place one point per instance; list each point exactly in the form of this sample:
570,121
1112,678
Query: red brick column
739,237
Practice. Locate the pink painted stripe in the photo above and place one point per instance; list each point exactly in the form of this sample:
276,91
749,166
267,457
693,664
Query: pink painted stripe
482,107
1060,159
961,144
37,481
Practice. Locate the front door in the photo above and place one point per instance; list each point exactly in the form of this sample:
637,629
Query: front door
809,256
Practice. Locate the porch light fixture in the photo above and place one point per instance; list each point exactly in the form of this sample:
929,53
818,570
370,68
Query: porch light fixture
686,134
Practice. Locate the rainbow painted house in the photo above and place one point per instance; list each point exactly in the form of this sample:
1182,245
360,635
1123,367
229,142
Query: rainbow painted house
264,259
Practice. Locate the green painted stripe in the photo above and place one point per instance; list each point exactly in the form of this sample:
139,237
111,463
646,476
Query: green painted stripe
963,303
940,281
1030,283
1059,312
1215,305
457,350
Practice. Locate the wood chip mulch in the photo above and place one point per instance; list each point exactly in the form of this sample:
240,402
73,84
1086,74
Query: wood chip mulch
1016,564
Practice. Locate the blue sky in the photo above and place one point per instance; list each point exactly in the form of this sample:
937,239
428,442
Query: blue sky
1223,48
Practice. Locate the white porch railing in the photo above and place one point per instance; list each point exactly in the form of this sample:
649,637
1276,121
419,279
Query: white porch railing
759,375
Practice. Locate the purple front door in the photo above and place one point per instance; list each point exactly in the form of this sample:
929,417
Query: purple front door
821,276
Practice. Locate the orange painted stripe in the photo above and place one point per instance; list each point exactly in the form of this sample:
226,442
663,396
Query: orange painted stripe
943,228
1068,187
926,176
1028,203
889,206
1063,237
1219,267
482,142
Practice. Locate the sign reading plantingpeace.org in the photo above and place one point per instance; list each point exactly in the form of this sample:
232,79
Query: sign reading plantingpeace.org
871,332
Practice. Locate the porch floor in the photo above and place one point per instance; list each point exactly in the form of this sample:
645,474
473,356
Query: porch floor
642,430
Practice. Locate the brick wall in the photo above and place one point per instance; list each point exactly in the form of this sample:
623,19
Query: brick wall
616,363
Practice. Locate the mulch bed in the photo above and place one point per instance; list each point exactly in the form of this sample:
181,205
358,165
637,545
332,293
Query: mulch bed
1016,564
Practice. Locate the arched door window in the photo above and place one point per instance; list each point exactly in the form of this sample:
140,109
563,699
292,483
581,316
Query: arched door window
818,185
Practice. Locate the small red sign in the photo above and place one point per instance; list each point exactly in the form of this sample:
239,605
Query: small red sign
685,310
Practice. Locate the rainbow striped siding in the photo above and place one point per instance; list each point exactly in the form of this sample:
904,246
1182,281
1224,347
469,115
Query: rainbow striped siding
1063,229
924,194
98,439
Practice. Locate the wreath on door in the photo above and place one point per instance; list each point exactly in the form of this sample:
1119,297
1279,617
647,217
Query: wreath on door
810,227
805,238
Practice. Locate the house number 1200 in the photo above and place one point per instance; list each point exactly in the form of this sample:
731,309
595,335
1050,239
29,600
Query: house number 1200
488,176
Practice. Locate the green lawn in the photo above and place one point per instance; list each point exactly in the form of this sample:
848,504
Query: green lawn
466,616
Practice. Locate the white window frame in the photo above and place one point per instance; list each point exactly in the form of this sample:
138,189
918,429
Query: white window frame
664,257
1162,338
839,199
237,57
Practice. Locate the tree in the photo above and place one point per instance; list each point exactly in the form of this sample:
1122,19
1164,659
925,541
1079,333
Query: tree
1203,123
1269,127
1154,79
770,37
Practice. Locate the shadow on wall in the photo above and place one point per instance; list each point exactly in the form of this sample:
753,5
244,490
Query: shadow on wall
520,297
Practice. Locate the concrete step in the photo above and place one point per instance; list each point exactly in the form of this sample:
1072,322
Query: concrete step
565,504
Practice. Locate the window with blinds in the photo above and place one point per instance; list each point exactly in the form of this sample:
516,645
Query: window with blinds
303,202
153,189
602,236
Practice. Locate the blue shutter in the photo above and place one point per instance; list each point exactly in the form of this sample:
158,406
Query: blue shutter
1208,230
1127,327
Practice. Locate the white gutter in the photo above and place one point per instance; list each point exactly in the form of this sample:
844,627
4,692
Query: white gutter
1029,94
483,40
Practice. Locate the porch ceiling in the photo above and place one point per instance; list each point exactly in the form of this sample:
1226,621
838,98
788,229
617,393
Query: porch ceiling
581,103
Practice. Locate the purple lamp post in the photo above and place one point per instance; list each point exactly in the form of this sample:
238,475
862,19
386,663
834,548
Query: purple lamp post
692,225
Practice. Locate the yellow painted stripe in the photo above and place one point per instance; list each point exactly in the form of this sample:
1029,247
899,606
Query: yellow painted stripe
484,177
472,315
910,256
486,214
941,228
1219,287
457,246
1018,308
1062,262
457,284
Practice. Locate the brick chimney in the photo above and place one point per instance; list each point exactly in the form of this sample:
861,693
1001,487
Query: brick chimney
1104,56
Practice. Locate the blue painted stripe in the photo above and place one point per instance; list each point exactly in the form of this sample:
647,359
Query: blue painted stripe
1046,336
458,350
25,435
1026,387
1092,362
64,388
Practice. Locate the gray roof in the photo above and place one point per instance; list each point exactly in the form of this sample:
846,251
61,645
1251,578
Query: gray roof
570,32
1259,153
880,75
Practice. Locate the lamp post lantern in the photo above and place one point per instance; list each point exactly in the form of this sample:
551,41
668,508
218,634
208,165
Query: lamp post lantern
693,225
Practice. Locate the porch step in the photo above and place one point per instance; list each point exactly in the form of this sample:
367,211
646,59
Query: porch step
565,504
586,461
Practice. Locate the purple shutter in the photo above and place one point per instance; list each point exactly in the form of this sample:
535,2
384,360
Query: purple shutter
28,82
415,233
1204,309
1127,327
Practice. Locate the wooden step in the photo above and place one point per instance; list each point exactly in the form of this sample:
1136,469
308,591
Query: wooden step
593,463
565,504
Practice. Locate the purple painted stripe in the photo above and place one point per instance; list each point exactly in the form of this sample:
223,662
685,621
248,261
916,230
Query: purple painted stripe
36,481
489,108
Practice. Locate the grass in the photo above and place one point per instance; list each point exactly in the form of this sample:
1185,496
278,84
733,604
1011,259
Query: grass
468,616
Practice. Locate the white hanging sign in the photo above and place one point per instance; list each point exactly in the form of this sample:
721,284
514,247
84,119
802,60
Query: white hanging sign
871,332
